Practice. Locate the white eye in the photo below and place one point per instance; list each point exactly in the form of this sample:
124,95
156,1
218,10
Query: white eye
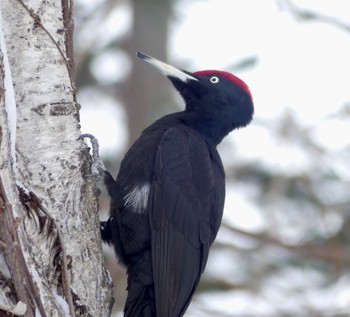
214,80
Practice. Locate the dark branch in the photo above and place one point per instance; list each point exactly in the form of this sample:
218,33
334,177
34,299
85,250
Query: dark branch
68,58
26,290
329,253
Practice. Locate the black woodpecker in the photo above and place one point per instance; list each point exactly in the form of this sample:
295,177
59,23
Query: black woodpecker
168,198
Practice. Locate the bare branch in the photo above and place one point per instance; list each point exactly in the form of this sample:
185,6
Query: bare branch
329,253
68,22
69,25
309,15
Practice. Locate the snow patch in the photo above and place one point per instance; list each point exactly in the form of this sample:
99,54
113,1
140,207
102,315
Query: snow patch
3,267
25,189
62,302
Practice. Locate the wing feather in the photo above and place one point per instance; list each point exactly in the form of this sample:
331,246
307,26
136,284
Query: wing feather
184,195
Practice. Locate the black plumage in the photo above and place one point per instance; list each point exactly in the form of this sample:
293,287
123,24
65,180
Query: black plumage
167,200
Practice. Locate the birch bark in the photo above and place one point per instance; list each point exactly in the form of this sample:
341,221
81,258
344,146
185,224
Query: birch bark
51,261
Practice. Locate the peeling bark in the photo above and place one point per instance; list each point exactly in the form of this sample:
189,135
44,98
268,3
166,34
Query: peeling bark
50,246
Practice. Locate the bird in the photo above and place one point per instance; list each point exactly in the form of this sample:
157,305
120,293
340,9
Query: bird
168,198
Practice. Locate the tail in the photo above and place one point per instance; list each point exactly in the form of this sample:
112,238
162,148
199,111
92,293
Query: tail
140,301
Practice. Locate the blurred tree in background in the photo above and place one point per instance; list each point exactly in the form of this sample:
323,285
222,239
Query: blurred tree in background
296,261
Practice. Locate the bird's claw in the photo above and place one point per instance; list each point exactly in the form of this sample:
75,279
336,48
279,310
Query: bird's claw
97,166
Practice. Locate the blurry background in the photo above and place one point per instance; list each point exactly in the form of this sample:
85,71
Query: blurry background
283,248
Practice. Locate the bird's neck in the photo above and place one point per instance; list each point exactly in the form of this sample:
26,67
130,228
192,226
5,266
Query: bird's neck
206,126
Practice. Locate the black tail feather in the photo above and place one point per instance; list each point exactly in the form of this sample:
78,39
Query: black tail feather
141,300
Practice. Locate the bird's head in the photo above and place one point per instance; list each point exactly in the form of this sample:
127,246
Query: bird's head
215,98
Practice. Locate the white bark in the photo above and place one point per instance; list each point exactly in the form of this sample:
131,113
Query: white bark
47,206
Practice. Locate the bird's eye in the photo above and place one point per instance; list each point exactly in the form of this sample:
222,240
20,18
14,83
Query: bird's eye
214,80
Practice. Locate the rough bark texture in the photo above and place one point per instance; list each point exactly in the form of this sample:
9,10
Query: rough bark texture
50,249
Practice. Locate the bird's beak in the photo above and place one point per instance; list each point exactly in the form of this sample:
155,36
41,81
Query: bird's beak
166,69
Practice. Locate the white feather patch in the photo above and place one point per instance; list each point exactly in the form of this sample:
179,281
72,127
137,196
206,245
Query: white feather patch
137,198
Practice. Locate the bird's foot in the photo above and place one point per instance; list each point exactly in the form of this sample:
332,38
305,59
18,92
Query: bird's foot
97,166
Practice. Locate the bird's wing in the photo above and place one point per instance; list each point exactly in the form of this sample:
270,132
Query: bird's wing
183,197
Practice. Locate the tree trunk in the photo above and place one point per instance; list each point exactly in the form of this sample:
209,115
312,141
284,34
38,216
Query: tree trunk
51,261
148,92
